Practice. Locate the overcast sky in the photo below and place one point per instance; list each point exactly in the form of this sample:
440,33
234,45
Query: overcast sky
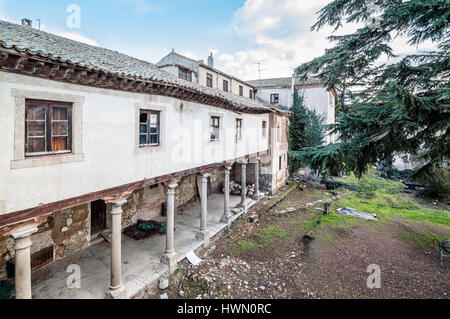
274,33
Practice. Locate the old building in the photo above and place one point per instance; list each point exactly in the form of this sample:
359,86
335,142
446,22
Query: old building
204,74
94,140
278,92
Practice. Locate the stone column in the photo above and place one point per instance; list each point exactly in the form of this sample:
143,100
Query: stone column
170,256
243,185
226,218
22,244
116,290
203,233
256,195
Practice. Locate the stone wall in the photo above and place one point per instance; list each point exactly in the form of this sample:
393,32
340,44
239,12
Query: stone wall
70,230
144,204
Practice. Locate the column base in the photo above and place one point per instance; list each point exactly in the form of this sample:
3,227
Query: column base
119,293
204,235
227,219
170,259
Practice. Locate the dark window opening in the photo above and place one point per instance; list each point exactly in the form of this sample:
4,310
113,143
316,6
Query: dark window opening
225,86
98,216
209,80
250,94
264,128
275,98
41,258
241,90
185,74
281,162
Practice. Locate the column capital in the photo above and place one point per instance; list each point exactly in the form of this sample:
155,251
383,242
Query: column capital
205,175
172,186
23,232
120,203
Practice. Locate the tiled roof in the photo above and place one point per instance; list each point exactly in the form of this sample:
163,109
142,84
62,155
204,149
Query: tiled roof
281,82
174,58
39,43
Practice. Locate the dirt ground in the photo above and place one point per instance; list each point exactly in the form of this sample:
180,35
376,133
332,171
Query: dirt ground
270,258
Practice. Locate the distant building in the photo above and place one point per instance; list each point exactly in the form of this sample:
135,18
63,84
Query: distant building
204,74
278,92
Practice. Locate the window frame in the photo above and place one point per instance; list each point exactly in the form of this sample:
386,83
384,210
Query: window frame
148,134
226,88
264,129
278,133
241,90
214,128
272,98
48,122
238,129
250,94
209,80
188,73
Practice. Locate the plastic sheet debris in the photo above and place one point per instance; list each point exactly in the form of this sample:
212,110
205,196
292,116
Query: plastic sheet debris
193,258
355,213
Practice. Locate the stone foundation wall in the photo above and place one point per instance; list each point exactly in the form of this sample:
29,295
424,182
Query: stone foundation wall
144,204
70,230
236,173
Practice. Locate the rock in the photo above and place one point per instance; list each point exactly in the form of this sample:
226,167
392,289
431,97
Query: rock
164,296
69,221
253,218
290,210
210,251
262,287
64,229
181,293
163,283
280,265
233,269
283,295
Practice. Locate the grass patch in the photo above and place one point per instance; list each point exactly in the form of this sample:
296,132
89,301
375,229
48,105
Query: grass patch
245,245
422,239
271,233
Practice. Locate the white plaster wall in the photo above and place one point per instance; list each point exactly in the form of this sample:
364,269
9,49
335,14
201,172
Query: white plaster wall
109,143
318,99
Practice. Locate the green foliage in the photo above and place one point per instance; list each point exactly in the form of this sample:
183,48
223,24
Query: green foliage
306,129
398,107
389,203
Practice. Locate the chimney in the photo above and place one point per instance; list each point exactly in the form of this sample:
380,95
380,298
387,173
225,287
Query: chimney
211,61
27,23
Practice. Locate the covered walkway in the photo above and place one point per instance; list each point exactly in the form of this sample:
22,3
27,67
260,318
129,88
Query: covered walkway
141,260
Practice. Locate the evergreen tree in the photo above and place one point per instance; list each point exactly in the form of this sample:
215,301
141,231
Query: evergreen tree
306,129
401,106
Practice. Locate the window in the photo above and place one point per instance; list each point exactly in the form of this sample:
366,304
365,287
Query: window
149,128
264,128
185,74
209,80
48,128
241,90
215,128
225,85
275,98
238,129
250,93
281,162
278,133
